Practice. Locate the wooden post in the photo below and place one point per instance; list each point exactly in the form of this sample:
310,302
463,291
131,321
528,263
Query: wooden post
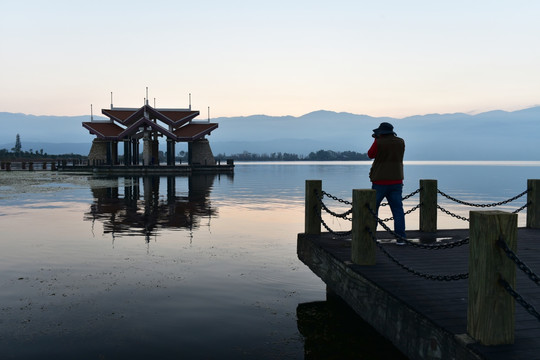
53,166
490,314
428,205
533,201
31,166
363,247
313,207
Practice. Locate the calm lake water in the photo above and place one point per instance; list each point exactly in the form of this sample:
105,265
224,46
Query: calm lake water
200,267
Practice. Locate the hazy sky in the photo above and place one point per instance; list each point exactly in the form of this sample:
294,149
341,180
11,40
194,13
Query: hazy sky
380,58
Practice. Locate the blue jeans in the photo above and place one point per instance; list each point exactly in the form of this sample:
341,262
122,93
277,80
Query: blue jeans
392,193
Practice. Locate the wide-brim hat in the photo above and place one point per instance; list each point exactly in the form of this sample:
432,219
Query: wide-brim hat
384,128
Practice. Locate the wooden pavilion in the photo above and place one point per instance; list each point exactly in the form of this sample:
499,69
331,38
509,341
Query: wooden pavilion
131,125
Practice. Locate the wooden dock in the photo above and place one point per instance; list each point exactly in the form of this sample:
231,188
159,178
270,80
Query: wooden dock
425,319
445,294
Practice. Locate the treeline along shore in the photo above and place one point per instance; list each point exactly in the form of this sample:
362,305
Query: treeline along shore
6,155
321,155
18,154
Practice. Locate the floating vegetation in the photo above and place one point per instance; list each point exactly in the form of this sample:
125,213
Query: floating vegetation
23,182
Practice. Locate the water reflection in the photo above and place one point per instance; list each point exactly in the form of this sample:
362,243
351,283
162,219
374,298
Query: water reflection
332,330
141,205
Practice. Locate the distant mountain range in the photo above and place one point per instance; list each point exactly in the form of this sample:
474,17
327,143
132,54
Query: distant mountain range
494,135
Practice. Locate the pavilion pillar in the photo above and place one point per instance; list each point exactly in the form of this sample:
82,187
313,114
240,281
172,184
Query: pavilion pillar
170,152
155,149
147,149
114,152
127,152
135,153
109,153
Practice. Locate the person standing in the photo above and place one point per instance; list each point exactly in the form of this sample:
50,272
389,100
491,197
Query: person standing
386,174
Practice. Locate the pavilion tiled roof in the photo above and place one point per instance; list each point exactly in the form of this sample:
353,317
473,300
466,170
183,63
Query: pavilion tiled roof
178,125
104,130
179,117
194,131
118,115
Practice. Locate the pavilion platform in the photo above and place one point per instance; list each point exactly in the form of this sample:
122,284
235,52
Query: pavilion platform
151,169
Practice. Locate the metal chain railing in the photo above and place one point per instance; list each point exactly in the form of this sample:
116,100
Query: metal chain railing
336,198
342,215
323,205
406,196
414,272
519,263
336,233
405,213
448,245
381,221
482,205
452,214
519,299
348,212
479,205
521,208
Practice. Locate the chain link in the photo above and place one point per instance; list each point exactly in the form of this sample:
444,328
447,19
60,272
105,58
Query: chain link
451,213
482,205
406,213
519,299
405,197
336,233
521,208
342,215
466,219
340,234
336,198
414,272
519,263
412,194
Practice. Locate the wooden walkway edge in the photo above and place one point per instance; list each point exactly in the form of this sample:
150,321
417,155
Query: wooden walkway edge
424,319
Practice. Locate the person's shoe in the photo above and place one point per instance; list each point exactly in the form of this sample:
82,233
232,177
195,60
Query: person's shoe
400,242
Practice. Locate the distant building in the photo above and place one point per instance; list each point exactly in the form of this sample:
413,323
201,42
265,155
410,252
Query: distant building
131,125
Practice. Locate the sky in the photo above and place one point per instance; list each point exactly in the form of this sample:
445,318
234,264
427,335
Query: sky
239,58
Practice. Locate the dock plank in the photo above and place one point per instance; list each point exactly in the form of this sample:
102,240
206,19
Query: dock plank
442,304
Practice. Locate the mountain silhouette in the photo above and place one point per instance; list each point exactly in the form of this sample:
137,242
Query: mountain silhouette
493,135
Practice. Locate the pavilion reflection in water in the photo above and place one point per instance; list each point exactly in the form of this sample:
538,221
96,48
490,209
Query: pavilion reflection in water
150,203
